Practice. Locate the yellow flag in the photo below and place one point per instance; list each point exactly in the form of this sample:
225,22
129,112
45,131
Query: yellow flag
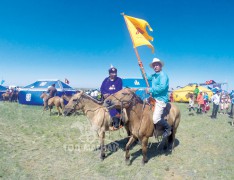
138,33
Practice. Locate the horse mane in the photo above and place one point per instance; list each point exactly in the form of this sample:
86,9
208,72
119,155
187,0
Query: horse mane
91,98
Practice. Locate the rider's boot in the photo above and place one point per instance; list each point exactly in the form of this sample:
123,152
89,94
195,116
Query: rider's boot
166,128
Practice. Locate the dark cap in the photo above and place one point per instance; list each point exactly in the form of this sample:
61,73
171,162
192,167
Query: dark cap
113,70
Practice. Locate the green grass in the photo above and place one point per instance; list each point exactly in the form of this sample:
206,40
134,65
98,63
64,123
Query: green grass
36,146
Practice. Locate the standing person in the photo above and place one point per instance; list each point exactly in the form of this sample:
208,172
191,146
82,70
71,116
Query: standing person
171,97
216,100
206,101
196,92
232,103
191,102
52,92
200,102
222,102
159,91
111,85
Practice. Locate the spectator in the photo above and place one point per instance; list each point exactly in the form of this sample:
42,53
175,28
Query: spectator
191,102
200,101
206,101
216,100
171,97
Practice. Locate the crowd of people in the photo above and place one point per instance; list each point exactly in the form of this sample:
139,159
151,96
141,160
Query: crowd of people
222,102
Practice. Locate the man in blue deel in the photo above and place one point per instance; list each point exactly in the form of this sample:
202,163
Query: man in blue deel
159,91
111,85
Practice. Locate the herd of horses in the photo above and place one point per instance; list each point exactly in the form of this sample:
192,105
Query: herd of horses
137,116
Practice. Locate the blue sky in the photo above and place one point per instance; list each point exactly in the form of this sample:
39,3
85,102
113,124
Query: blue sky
78,40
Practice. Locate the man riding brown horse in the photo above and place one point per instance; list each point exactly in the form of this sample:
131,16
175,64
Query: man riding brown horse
159,91
52,92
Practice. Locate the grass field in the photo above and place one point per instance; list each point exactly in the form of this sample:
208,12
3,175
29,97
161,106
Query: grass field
36,146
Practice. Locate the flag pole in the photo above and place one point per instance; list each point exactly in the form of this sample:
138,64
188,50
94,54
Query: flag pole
138,57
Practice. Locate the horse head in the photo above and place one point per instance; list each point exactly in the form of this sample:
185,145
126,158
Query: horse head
74,103
43,95
120,99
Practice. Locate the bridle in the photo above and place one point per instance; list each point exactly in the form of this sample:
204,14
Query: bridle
124,102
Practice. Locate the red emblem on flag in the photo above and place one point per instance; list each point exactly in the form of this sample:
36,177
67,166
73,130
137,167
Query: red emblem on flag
139,31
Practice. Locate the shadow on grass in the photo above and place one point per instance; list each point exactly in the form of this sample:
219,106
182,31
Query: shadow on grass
154,149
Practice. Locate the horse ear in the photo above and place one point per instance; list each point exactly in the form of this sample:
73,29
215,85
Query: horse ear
133,90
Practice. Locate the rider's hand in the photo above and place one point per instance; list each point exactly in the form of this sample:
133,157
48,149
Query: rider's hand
106,95
147,90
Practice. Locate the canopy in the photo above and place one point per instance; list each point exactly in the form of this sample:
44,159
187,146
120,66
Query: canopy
30,94
2,90
179,95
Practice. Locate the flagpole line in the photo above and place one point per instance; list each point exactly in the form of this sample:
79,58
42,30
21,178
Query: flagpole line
138,56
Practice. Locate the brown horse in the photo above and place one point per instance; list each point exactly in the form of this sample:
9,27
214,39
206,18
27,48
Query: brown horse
140,119
5,96
97,114
54,101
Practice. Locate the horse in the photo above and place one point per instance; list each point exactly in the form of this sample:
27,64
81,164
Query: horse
5,96
54,101
66,97
140,119
97,114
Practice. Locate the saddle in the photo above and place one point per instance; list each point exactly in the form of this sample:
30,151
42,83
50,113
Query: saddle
166,110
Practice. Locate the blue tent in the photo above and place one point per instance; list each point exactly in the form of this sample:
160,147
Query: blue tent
30,94
2,90
137,83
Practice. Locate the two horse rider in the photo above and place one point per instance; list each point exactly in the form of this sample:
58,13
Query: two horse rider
111,85
52,92
159,91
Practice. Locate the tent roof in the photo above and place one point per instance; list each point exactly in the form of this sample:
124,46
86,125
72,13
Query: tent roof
2,88
45,83
191,89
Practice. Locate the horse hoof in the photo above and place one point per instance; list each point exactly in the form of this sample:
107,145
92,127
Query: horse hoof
127,162
102,157
143,162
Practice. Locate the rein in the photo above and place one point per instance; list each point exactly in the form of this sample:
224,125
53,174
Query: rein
129,102
78,100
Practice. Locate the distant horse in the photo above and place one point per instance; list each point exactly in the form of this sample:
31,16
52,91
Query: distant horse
5,96
97,114
54,101
140,119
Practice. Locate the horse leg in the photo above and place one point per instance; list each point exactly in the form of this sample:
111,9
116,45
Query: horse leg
127,154
50,110
144,149
102,146
58,110
171,139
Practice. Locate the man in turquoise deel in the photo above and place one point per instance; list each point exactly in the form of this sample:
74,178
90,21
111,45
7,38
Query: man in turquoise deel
159,91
